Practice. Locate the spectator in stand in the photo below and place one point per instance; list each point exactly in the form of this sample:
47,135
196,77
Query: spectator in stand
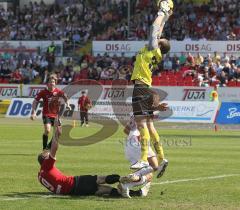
226,66
236,74
198,59
93,74
25,74
238,61
223,79
225,57
67,78
43,62
93,19
206,79
182,59
32,73
16,77
167,63
5,73
104,74
175,63
216,57
50,55
219,68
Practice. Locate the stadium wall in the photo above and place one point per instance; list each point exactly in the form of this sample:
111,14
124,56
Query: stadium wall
190,104
179,93
181,111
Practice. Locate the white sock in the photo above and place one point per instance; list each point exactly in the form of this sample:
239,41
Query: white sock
144,171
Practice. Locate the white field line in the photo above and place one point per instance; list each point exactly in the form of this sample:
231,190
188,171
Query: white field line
26,198
196,179
159,183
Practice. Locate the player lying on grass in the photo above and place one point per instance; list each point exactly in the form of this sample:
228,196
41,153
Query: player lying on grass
133,153
56,182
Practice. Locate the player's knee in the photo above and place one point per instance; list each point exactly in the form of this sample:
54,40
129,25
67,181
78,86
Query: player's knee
149,177
151,129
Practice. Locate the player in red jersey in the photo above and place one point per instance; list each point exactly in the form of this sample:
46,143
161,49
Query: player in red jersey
55,181
50,97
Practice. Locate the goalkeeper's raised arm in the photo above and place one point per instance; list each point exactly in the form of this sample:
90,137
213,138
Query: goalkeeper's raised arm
165,10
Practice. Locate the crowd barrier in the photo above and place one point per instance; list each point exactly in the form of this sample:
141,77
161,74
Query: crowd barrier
180,111
189,104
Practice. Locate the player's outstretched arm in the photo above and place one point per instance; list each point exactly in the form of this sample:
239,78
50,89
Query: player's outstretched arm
56,135
67,102
165,11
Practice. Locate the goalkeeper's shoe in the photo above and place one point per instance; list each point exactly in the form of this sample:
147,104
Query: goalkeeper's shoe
162,167
139,165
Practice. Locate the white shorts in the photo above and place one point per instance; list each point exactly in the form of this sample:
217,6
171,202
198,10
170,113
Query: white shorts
133,150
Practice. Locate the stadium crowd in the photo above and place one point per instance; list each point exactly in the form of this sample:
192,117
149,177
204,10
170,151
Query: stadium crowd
217,20
74,21
185,69
78,21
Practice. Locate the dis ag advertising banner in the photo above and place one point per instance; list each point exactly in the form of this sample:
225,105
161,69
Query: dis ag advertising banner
229,113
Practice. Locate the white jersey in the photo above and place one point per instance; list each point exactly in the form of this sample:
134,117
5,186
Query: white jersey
133,145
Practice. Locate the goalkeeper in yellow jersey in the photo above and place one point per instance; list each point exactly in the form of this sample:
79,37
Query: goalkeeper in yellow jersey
144,99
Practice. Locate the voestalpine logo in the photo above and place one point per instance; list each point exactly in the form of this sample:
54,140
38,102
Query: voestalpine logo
233,112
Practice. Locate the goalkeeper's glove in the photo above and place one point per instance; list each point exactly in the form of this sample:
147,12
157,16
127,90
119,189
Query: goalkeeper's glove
165,7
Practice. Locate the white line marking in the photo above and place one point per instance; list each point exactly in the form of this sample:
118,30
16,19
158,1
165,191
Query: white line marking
12,199
196,179
9,198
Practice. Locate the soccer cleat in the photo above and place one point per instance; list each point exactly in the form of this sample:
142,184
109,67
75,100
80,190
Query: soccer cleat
129,178
145,189
124,190
140,164
162,167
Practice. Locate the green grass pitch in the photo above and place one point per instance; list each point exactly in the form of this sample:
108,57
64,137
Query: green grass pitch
203,170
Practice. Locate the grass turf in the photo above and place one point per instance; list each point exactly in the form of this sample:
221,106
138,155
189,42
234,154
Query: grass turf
203,158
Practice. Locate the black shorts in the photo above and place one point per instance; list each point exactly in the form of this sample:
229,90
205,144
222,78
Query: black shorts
143,99
85,185
50,120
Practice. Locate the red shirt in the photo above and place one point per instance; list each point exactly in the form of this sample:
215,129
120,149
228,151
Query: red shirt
53,179
83,101
47,95
17,76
